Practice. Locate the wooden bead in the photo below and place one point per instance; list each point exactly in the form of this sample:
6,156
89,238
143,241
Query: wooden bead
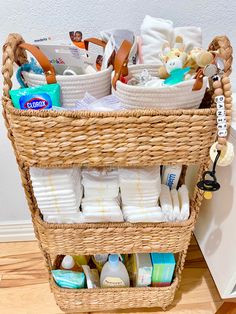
228,100
217,84
225,80
228,93
228,106
218,92
227,87
221,140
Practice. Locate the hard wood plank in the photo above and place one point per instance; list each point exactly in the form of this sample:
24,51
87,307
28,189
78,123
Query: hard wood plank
24,288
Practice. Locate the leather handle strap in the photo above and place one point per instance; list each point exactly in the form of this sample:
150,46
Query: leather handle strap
121,61
95,41
47,67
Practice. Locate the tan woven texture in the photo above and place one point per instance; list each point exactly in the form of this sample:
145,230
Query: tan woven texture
131,138
110,299
139,137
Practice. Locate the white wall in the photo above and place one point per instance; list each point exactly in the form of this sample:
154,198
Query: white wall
36,18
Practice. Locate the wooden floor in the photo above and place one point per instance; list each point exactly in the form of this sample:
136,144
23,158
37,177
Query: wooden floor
24,288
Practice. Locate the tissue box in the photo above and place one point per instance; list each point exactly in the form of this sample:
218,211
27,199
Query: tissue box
163,269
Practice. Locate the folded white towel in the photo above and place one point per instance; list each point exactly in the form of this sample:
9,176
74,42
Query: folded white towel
184,202
156,31
191,35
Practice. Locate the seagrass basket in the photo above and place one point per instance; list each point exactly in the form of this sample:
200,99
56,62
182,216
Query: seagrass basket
111,139
105,299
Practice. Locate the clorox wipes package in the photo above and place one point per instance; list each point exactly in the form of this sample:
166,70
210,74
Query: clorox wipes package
37,98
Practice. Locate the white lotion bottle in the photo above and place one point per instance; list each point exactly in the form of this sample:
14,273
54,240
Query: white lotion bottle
114,273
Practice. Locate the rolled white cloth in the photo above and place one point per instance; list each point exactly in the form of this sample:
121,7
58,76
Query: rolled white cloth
155,32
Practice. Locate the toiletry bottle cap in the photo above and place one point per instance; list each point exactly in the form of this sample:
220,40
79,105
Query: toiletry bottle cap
68,262
114,259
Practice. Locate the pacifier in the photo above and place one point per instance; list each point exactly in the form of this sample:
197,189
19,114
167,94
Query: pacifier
210,185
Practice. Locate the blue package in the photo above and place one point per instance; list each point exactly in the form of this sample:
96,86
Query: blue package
42,97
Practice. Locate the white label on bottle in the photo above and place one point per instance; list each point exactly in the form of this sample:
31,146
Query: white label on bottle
114,282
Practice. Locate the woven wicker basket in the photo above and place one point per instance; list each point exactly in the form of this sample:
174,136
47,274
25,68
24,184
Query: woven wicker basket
88,300
131,138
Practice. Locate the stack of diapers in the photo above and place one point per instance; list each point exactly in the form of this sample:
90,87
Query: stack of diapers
155,32
58,193
174,203
101,196
140,190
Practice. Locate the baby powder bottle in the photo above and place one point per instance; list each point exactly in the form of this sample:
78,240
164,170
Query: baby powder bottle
68,263
114,273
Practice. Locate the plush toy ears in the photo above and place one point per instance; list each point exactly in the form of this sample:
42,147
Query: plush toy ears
165,49
179,43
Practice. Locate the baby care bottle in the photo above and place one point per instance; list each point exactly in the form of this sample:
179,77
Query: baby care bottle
68,263
114,274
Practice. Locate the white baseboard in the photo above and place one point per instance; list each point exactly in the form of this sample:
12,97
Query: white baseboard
16,231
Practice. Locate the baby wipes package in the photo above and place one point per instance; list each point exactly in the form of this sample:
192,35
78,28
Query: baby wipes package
69,279
42,97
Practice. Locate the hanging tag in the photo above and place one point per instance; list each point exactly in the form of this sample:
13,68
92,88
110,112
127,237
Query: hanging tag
210,70
226,156
220,64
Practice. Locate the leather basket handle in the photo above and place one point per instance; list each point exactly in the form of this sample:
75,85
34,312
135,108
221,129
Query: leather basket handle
95,41
121,61
47,67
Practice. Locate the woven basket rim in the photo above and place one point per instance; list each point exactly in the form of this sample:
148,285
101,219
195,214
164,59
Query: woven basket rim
105,114
167,88
118,225
108,290
73,77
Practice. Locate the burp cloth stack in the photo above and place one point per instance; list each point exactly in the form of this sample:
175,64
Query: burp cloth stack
58,193
101,196
140,190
